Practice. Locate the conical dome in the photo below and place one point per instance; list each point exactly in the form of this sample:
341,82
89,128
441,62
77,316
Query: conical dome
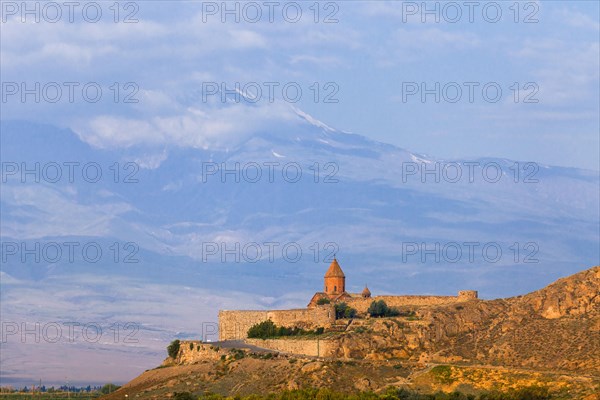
334,271
366,292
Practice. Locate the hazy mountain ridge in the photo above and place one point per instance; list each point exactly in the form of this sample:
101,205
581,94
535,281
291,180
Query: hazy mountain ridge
368,213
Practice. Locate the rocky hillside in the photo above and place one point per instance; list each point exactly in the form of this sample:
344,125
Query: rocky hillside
556,328
550,337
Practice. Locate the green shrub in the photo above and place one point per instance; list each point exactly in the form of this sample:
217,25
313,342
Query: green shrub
109,388
263,330
267,329
173,348
184,396
379,308
443,373
323,300
526,393
238,354
191,346
343,310
391,393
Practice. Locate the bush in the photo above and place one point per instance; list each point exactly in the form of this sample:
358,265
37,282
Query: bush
343,310
267,329
191,346
323,300
184,396
173,348
109,388
443,373
379,308
391,393
527,393
238,354
263,330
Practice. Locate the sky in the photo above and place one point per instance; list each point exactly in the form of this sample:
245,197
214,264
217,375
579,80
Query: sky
448,79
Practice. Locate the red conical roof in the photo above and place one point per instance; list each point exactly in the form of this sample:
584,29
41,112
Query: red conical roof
334,270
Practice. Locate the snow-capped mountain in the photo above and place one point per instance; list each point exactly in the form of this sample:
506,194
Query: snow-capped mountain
168,218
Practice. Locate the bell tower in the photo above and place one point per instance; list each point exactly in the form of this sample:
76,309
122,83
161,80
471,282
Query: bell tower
335,280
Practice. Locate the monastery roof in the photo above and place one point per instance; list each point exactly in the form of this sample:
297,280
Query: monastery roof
334,271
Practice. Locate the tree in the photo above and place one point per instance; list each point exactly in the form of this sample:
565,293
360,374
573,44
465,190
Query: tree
342,310
263,330
323,300
109,388
379,308
173,348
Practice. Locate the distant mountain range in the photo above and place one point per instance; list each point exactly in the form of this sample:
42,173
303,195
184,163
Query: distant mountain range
164,221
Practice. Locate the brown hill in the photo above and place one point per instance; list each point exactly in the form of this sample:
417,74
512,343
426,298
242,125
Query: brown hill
549,337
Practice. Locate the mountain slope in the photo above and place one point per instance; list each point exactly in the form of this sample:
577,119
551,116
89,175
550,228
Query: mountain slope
500,343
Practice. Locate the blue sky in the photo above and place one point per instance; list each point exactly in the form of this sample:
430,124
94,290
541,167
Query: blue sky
367,58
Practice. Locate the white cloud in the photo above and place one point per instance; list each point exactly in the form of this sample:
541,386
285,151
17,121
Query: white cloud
578,19
44,211
565,71
326,60
247,39
211,127
411,45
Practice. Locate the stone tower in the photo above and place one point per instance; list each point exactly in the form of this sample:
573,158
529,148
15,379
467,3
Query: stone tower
335,280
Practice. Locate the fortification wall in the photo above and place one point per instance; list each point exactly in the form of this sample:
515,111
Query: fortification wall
362,304
235,324
193,351
307,347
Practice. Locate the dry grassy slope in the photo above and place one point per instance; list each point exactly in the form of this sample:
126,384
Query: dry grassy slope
548,336
257,375
251,375
556,328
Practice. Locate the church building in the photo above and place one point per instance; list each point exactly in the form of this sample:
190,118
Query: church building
335,287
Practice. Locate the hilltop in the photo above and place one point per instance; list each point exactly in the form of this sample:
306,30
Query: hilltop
550,337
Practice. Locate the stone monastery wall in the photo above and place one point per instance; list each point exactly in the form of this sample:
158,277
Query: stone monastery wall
235,324
307,347
361,304
193,351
